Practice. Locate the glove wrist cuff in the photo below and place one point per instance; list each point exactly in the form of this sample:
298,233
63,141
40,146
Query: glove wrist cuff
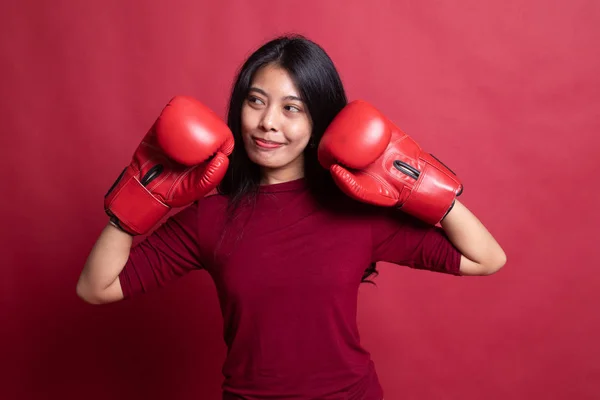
134,209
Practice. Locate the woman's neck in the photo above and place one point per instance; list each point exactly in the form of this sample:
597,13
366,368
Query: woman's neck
275,177
286,173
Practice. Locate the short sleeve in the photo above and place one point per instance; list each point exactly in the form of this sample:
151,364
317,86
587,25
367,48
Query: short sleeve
170,252
404,240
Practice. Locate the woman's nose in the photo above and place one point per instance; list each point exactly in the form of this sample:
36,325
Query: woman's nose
269,120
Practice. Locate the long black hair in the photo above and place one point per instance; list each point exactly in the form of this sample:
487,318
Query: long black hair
321,89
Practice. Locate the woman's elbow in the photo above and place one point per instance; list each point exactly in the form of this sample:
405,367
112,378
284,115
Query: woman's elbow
91,296
496,264
482,268
84,294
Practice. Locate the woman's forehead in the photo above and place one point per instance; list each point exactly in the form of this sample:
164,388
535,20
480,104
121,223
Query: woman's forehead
275,81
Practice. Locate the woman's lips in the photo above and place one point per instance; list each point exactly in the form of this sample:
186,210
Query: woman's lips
266,144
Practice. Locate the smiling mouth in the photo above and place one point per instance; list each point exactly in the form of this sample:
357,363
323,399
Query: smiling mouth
266,144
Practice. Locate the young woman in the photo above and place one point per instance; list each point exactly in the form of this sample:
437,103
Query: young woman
286,239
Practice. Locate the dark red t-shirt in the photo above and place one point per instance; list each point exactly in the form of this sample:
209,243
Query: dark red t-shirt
287,272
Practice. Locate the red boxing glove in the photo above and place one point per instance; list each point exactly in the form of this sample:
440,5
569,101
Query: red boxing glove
182,158
375,162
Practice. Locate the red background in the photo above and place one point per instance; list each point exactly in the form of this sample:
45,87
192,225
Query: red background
505,92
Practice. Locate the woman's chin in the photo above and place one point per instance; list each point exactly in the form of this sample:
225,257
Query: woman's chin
264,160
273,160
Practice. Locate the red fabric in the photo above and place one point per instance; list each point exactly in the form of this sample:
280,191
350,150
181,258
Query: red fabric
287,273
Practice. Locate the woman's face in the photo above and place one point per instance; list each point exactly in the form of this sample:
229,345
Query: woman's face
276,126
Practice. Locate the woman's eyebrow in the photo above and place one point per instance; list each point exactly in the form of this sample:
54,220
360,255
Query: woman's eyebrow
293,98
258,90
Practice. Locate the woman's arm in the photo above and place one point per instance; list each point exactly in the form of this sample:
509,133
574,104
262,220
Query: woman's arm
99,280
481,254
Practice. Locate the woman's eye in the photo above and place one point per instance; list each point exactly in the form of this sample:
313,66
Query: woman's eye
292,108
254,100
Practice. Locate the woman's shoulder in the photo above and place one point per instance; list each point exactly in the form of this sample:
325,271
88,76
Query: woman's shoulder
340,203
212,201
375,215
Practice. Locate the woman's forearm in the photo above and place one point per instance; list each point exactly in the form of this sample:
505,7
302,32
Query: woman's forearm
473,240
98,282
